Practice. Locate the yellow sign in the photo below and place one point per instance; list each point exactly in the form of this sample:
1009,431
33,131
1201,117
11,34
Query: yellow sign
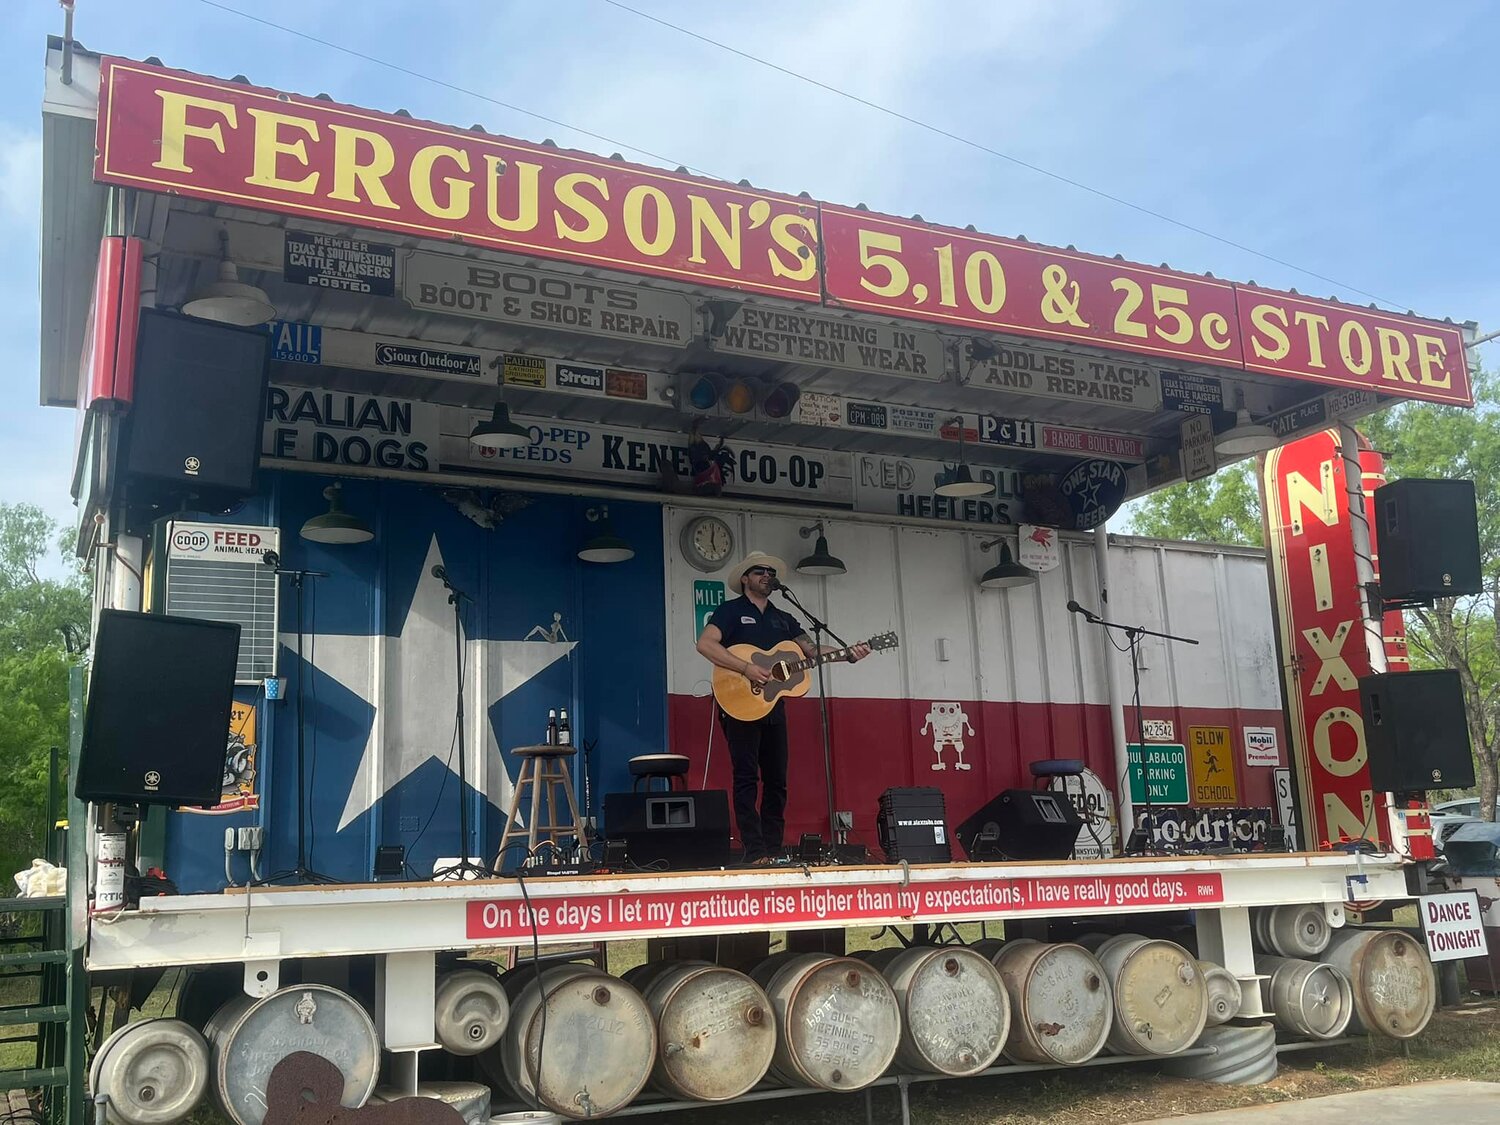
241,764
1213,766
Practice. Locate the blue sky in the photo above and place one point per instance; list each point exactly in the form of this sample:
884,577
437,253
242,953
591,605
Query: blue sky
1360,141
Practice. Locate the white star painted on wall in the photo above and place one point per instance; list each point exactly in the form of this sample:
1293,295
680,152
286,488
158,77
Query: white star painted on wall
409,682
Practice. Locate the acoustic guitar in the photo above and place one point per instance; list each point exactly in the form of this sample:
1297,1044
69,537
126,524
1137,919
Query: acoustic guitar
747,702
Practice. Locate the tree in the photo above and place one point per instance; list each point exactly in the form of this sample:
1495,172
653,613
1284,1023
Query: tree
44,625
1223,508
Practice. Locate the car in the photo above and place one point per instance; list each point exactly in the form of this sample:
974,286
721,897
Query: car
1449,816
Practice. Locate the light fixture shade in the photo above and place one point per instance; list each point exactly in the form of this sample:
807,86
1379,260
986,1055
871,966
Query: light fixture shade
1006,573
606,547
228,300
961,483
336,526
820,562
1246,436
499,432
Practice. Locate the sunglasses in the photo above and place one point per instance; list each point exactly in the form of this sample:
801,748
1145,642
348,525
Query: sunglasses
761,570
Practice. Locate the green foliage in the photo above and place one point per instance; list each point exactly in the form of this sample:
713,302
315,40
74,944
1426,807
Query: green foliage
1223,508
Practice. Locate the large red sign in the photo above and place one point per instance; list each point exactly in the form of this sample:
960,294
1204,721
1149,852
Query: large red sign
1322,639
615,913
169,131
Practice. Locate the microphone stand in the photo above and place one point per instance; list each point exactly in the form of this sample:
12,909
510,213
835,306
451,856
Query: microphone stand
1141,838
465,867
302,872
819,628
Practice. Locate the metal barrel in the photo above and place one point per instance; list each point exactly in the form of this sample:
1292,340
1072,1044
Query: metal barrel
587,1053
987,947
249,1037
955,1013
1224,992
1391,977
1060,1001
470,1011
1297,929
1161,1003
1308,999
715,1028
837,1019
470,1099
526,1117
154,1072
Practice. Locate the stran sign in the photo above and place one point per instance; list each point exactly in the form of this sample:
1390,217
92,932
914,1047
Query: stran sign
1316,595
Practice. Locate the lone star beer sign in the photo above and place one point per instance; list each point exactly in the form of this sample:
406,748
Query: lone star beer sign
1315,589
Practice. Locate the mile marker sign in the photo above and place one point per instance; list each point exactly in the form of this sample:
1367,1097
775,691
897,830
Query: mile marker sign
1453,926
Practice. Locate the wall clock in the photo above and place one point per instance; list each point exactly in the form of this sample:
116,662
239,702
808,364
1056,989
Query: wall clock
707,543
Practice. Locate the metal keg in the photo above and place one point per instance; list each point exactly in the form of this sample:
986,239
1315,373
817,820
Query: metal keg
1390,977
955,1014
154,1072
1224,992
1308,999
838,1020
526,1117
249,1037
1298,929
1161,1004
586,1053
715,1029
470,1011
470,1099
1060,1001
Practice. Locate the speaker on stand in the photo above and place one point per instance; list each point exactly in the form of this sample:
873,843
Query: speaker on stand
1416,731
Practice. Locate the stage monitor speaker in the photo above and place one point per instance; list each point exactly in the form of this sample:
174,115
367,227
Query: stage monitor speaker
1416,731
195,422
1022,824
685,830
912,825
1427,536
157,722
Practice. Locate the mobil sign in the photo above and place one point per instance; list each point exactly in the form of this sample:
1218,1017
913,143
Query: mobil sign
1320,634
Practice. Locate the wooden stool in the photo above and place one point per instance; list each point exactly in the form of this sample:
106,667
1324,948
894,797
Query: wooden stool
542,768
668,767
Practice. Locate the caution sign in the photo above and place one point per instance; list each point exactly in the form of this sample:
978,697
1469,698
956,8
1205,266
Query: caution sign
1213,766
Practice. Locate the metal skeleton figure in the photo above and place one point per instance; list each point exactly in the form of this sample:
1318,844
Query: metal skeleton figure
947,722
552,635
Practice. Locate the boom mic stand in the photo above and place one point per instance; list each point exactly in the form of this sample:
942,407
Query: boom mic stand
302,872
1141,838
465,867
819,628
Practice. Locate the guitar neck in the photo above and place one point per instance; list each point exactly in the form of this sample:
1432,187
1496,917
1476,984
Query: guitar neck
821,658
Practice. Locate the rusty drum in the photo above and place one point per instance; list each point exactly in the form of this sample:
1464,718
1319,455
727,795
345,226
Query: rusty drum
1161,1004
715,1029
249,1037
1391,978
1298,929
470,1011
1224,992
955,1013
837,1019
1308,999
470,1099
1060,1001
154,1072
600,1040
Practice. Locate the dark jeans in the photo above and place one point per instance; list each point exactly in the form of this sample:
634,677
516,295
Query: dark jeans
758,753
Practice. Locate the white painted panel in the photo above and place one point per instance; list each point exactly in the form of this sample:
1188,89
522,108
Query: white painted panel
937,591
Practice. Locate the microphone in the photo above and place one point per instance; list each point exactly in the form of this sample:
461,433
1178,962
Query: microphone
1074,607
776,583
440,574
271,559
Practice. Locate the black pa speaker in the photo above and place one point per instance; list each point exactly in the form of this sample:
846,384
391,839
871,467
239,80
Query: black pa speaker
685,830
912,825
1022,824
195,420
157,722
1416,731
1427,534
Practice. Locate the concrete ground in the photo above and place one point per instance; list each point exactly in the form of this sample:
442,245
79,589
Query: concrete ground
1453,1102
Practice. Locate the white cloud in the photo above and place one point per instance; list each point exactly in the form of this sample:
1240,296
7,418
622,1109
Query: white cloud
20,175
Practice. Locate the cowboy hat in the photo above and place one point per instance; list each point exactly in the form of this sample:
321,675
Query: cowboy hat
754,558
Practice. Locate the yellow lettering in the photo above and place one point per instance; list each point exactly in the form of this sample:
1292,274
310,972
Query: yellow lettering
269,147
1331,662
798,237
1323,741
1272,321
1313,323
1344,821
1432,352
1303,496
595,225
347,169
420,178
635,220
526,193
1395,355
1349,331
726,236
176,129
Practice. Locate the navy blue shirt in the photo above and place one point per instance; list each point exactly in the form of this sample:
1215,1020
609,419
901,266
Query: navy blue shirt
741,622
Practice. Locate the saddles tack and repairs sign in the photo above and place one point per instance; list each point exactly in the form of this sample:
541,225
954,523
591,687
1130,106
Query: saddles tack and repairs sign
1069,376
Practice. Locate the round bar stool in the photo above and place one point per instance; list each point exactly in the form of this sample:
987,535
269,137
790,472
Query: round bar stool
544,769
669,767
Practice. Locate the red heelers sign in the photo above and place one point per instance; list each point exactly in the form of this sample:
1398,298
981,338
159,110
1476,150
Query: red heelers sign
1318,608
170,131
